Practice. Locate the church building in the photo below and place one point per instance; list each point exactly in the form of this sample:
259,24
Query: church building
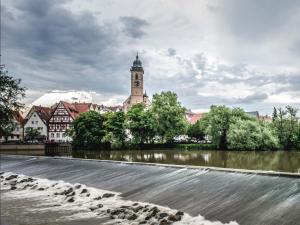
137,86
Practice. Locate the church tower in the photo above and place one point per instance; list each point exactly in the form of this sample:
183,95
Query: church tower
137,85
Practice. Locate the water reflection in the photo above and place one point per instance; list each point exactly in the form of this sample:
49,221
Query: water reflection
275,161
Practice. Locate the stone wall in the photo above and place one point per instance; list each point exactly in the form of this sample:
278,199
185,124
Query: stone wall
22,149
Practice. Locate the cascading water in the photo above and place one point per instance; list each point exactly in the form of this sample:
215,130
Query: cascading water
223,196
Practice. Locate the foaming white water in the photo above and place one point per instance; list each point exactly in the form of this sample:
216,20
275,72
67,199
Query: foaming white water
93,203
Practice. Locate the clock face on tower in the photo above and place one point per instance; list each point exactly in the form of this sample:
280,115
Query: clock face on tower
137,83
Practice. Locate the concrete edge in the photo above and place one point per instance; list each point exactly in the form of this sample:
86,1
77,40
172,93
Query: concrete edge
218,169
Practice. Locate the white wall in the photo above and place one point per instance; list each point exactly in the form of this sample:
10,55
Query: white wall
36,122
59,137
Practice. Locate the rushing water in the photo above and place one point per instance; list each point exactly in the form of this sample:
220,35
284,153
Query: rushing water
270,161
248,199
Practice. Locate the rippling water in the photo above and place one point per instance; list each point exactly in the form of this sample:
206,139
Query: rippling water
275,161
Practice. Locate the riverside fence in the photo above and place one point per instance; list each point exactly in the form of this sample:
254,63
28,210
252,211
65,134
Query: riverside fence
48,149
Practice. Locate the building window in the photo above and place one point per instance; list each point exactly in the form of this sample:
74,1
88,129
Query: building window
36,122
32,122
136,76
52,135
58,135
34,115
63,135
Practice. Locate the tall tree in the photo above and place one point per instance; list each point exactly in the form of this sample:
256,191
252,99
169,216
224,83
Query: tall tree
11,93
274,116
286,125
88,130
141,124
114,125
219,120
169,114
197,131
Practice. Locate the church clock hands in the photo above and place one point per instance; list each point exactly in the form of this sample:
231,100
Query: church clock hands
137,83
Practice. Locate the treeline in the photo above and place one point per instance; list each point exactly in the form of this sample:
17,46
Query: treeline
164,122
160,123
234,129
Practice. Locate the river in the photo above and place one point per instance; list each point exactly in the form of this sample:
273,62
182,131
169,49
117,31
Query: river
248,199
280,161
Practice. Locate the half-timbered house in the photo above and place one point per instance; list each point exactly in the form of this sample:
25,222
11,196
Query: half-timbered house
61,118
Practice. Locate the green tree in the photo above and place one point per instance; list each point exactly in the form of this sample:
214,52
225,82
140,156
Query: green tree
7,129
219,120
274,116
169,114
197,131
141,124
286,125
32,134
88,130
11,93
270,139
296,137
114,125
218,125
251,135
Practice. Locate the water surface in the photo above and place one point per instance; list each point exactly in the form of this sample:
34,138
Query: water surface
248,199
280,161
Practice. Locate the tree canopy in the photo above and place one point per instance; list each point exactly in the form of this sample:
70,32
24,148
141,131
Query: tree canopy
114,124
88,130
169,115
141,124
11,92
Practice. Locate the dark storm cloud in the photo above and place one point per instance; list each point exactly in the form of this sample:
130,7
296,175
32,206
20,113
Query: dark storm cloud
44,29
254,19
50,47
133,26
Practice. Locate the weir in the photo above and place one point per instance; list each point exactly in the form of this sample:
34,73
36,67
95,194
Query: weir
216,195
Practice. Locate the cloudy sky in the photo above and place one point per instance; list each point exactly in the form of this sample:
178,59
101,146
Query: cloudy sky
239,53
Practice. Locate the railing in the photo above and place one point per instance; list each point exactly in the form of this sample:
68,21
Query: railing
56,149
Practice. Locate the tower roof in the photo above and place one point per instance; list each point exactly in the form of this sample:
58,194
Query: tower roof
137,62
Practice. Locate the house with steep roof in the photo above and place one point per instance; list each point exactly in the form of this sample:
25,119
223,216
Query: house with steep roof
37,118
18,133
61,118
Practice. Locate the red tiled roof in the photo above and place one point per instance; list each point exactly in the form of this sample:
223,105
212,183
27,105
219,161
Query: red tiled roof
43,112
75,109
192,118
82,107
18,116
